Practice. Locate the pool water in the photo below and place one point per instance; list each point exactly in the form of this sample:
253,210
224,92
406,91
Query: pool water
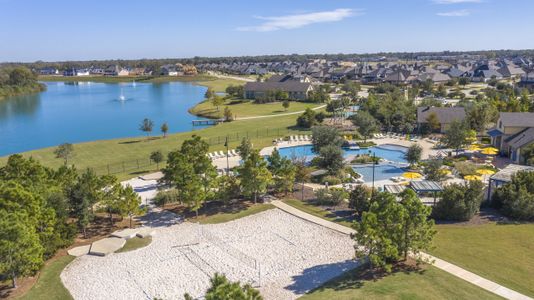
383,171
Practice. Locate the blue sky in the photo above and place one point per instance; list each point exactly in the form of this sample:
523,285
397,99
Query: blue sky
82,30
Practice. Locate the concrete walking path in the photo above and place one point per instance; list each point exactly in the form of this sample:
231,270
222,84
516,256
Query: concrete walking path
278,115
438,263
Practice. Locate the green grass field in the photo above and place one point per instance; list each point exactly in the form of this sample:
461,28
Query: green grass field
502,253
247,108
49,285
135,243
99,154
430,284
226,217
316,211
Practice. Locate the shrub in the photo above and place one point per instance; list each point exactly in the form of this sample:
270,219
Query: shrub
331,180
465,168
360,199
459,202
516,198
166,197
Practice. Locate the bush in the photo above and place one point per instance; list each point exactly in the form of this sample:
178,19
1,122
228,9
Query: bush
166,197
331,180
465,168
360,199
459,202
516,198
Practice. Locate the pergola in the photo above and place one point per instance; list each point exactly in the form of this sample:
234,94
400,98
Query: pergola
426,186
505,176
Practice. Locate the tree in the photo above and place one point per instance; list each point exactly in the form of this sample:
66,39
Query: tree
414,153
391,229
433,170
459,202
244,148
331,158
217,101
20,251
433,122
337,196
83,195
307,119
516,198
146,126
222,289
227,188
285,104
228,117
164,129
283,172
64,151
480,114
366,123
254,175
157,157
360,199
110,195
418,230
129,203
324,136
456,135
209,93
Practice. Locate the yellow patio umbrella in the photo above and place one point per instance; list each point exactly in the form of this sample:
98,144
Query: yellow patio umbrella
489,151
485,172
445,171
473,148
473,177
412,175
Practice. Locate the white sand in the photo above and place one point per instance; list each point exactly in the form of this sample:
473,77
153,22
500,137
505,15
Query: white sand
292,256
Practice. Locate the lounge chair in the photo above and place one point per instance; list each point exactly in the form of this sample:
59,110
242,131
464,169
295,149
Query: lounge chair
234,153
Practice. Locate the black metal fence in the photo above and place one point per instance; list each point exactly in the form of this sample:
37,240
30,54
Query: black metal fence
143,164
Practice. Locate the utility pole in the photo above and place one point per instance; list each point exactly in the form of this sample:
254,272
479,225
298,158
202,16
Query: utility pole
227,162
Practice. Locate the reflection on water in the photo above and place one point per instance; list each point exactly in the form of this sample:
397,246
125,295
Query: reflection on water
85,111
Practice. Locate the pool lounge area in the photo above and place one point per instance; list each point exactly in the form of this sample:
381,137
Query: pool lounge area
392,166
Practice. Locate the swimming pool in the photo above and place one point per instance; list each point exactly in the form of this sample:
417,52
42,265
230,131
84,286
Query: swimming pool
388,152
391,153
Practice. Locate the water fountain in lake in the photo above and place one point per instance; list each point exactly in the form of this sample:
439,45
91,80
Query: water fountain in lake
121,97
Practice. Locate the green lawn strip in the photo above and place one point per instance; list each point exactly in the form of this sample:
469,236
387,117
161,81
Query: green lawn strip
502,253
49,285
135,243
100,154
226,217
316,211
432,283
248,108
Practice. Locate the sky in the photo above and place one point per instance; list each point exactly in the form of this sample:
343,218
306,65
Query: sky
58,30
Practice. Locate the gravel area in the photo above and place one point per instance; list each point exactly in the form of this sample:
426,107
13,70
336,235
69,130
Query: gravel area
283,255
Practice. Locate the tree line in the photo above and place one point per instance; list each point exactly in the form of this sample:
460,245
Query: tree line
18,81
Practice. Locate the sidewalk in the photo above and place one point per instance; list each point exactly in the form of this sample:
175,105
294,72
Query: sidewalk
438,263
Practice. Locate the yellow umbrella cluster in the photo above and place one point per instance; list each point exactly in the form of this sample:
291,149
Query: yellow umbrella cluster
490,151
474,148
473,177
412,175
485,172
445,171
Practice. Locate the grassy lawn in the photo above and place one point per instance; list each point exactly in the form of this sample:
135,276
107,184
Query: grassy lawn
100,154
432,283
502,253
247,108
317,211
135,243
49,285
223,217
217,84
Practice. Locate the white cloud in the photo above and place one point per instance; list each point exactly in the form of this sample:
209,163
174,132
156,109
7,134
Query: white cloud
300,20
455,13
456,1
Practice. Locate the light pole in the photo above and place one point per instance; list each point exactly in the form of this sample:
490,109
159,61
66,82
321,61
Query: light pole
374,162
227,163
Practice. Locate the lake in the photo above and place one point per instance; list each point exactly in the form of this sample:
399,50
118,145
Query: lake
86,111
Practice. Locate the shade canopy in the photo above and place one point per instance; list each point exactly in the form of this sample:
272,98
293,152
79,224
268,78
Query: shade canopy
426,186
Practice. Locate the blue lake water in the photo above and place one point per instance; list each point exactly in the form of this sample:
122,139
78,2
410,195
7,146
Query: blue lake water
87,111
391,153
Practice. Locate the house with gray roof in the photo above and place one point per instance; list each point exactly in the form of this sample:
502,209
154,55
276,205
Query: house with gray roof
514,131
295,89
445,116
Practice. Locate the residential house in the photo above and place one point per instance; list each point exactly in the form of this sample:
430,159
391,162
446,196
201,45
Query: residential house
527,80
510,71
49,71
76,72
115,70
513,132
296,90
445,116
